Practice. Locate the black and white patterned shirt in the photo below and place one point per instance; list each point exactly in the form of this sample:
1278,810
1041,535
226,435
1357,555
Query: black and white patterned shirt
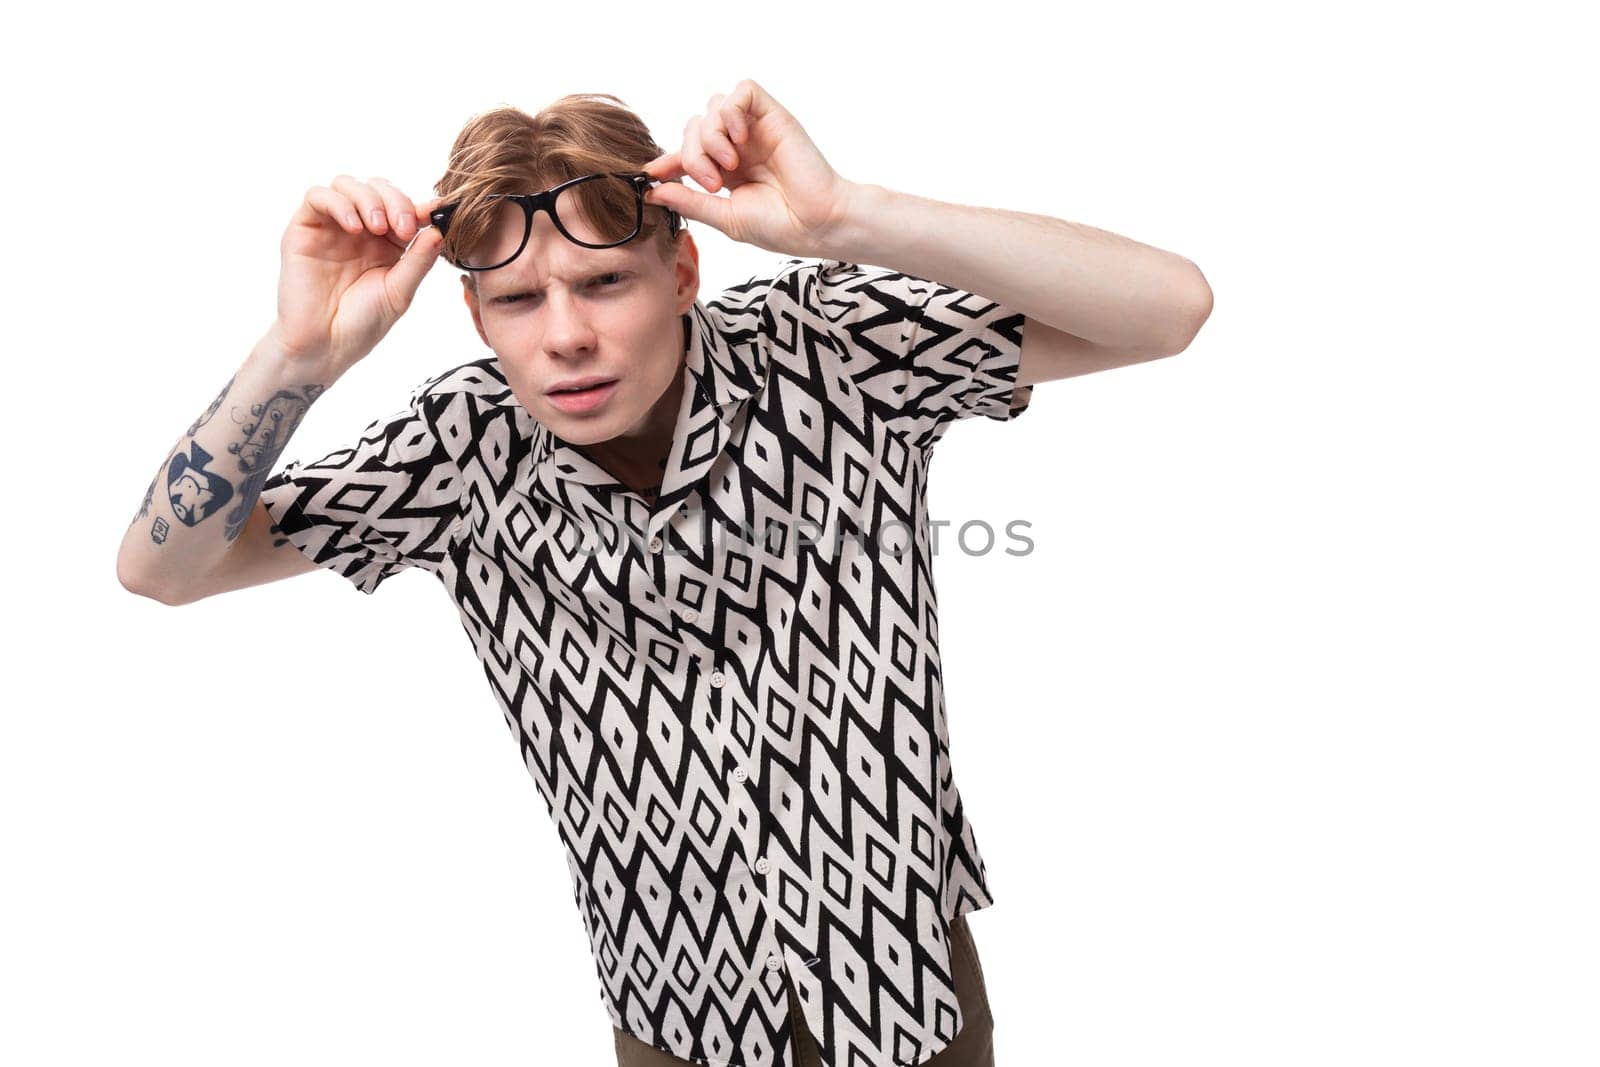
730,699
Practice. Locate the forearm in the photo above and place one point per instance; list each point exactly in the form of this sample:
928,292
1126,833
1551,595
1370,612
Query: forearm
207,486
1096,285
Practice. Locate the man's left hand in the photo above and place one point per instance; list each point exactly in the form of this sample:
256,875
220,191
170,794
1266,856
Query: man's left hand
783,196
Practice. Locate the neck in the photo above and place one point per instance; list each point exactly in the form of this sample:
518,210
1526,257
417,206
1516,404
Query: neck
639,460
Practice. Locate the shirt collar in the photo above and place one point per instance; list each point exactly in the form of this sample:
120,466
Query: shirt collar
722,370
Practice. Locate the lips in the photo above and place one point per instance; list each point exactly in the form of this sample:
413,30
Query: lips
577,385
584,400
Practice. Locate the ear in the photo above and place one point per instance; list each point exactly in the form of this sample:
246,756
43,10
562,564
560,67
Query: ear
686,270
472,306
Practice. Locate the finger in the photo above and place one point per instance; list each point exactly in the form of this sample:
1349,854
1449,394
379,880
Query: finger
666,167
396,208
714,211
650,196
366,200
402,214
714,138
729,123
426,208
406,275
733,118
710,126
326,203
755,102
698,165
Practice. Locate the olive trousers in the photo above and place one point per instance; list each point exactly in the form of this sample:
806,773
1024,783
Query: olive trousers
973,1046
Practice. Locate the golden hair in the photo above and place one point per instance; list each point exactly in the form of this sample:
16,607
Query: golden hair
506,150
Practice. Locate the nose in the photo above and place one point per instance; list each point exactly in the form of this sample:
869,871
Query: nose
567,331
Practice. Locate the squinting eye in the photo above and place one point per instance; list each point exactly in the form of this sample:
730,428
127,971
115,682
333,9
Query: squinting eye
514,298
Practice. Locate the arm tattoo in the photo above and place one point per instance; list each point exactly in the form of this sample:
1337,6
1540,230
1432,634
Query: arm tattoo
275,422
195,491
212,410
158,530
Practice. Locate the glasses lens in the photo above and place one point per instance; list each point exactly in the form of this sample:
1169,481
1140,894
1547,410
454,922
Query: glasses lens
491,239
603,210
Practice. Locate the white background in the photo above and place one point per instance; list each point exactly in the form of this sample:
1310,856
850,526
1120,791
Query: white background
1280,746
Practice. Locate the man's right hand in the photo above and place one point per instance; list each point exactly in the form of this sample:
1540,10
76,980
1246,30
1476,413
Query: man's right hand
348,273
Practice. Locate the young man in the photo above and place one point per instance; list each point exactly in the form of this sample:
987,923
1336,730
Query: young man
688,541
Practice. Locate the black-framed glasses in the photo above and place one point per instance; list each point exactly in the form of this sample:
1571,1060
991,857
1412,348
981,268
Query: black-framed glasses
595,211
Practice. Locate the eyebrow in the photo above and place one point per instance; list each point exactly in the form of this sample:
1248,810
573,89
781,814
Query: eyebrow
606,266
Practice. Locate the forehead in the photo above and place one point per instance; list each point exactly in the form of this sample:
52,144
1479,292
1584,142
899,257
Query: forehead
572,263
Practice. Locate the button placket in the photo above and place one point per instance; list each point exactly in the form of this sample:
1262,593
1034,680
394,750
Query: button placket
741,800
766,837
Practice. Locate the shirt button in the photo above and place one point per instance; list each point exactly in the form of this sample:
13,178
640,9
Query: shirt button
717,678
688,615
763,865
655,544
740,774
774,962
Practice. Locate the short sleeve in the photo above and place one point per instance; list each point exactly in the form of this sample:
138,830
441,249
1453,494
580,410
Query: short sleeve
390,501
923,354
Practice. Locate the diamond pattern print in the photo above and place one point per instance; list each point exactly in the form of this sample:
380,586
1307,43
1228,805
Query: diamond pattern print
741,737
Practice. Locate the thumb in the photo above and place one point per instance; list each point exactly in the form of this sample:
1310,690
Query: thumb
413,265
701,207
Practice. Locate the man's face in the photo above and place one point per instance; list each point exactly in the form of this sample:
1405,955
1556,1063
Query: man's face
561,312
